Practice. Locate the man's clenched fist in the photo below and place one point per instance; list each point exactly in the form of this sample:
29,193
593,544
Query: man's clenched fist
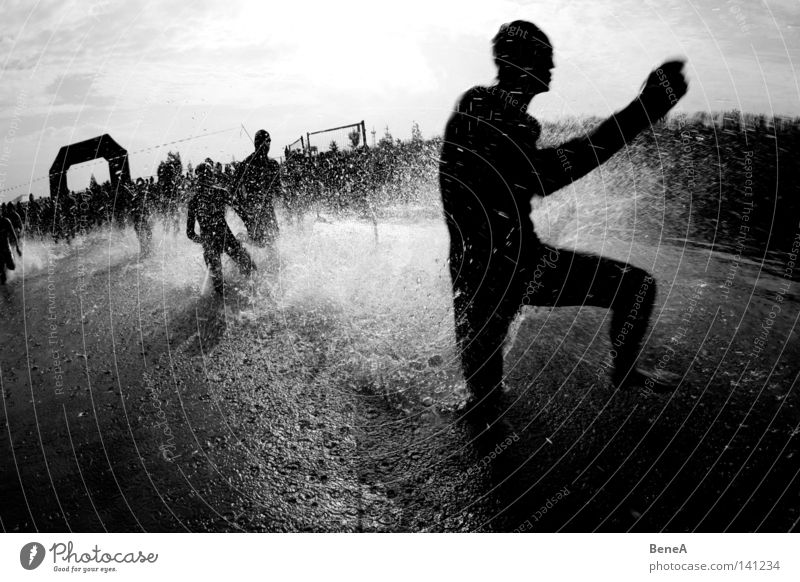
663,89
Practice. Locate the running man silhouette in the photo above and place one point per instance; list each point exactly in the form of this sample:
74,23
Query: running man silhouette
8,236
257,185
490,169
139,205
208,208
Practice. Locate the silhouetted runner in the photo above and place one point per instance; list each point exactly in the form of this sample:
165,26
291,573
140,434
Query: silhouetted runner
208,208
8,237
32,215
257,185
490,169
139,205
10,212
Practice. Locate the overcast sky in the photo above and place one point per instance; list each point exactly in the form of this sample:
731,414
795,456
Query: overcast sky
150,73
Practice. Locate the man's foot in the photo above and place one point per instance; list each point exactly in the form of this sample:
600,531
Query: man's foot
486,419
661,382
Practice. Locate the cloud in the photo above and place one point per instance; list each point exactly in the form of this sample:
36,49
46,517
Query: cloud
76,89
153,71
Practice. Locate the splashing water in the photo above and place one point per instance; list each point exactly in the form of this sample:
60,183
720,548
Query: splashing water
390,299
385,305
382,308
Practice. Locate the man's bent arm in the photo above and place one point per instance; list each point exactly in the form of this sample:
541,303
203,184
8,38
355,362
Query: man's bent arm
558,167
190,220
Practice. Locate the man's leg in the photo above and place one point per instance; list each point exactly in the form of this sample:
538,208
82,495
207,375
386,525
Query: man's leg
482,322
562,278
245,213
265,226
144,234
239,254
269,237
480,342
213,257
485,302
148,236
6,262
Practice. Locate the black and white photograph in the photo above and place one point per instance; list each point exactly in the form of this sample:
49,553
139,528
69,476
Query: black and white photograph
445,267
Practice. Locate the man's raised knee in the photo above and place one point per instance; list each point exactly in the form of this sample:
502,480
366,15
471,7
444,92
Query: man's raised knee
643,286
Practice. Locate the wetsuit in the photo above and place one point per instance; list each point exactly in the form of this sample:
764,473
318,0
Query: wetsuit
8,236
490,169
207,207
258,184
140,214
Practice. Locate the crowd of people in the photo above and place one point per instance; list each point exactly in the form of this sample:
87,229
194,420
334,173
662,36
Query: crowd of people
336,181
62,218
